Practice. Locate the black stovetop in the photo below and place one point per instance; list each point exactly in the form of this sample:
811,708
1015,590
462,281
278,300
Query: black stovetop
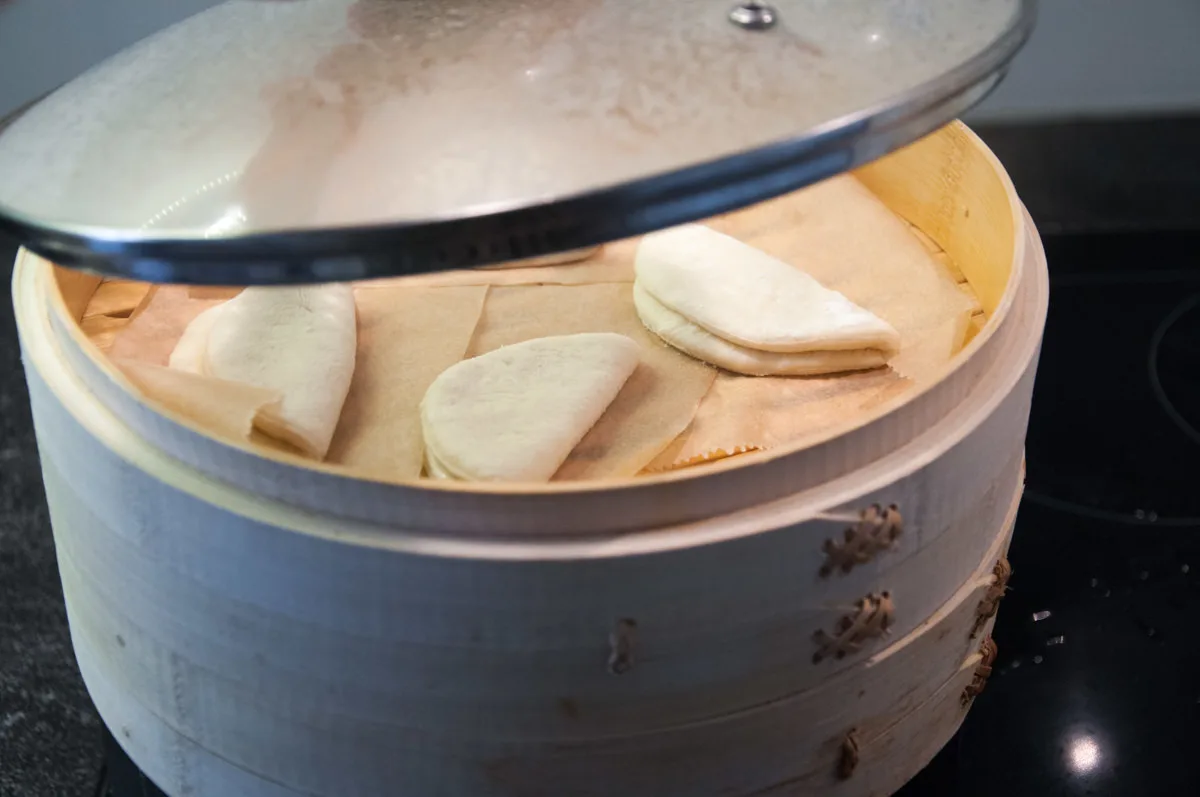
1096,690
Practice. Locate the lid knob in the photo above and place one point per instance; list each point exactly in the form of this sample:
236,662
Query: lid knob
753,16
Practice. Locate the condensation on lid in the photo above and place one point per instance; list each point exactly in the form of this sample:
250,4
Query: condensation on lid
262,116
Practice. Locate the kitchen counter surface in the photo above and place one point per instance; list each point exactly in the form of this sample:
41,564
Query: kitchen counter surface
49,731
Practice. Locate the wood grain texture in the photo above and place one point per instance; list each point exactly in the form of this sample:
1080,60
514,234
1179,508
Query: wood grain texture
451,641
888,698
76,289
946,186
247,626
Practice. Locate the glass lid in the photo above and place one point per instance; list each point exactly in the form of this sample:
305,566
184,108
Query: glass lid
267,141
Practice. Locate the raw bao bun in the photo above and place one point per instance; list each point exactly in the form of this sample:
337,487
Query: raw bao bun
704,345
515,414
300,342
729,304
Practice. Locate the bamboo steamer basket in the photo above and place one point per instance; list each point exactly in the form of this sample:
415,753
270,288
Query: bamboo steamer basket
249,624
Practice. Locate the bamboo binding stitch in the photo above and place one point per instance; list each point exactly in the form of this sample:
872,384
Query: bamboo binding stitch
877,530
871,619
988,651
991,601
848,760
621,643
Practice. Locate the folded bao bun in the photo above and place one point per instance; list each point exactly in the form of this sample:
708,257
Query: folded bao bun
735,306
677,331
516,413
298,341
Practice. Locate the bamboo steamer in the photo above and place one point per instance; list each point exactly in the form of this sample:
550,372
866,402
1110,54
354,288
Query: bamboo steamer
248,624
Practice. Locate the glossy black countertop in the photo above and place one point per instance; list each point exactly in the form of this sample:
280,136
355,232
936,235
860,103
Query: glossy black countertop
1096,688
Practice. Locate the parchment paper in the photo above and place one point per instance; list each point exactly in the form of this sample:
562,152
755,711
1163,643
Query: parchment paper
674,411
656,404
406,337
111,307
103,329
570,256
612,263
224,408
118,298
151,336
848,240
742,414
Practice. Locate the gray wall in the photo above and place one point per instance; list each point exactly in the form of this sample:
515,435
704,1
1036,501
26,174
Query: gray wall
1088,57
1104,57
44,43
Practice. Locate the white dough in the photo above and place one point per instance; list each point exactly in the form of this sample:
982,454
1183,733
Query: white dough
516,413
435,469
703,345
188,354
299,341
749,298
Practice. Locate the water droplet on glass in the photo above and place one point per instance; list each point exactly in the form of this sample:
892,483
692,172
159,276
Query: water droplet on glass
1016,663
1139,514
1039,616
1037,659
1055,640
1184,569
1144,575
1152,516
1095,583
1107,592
